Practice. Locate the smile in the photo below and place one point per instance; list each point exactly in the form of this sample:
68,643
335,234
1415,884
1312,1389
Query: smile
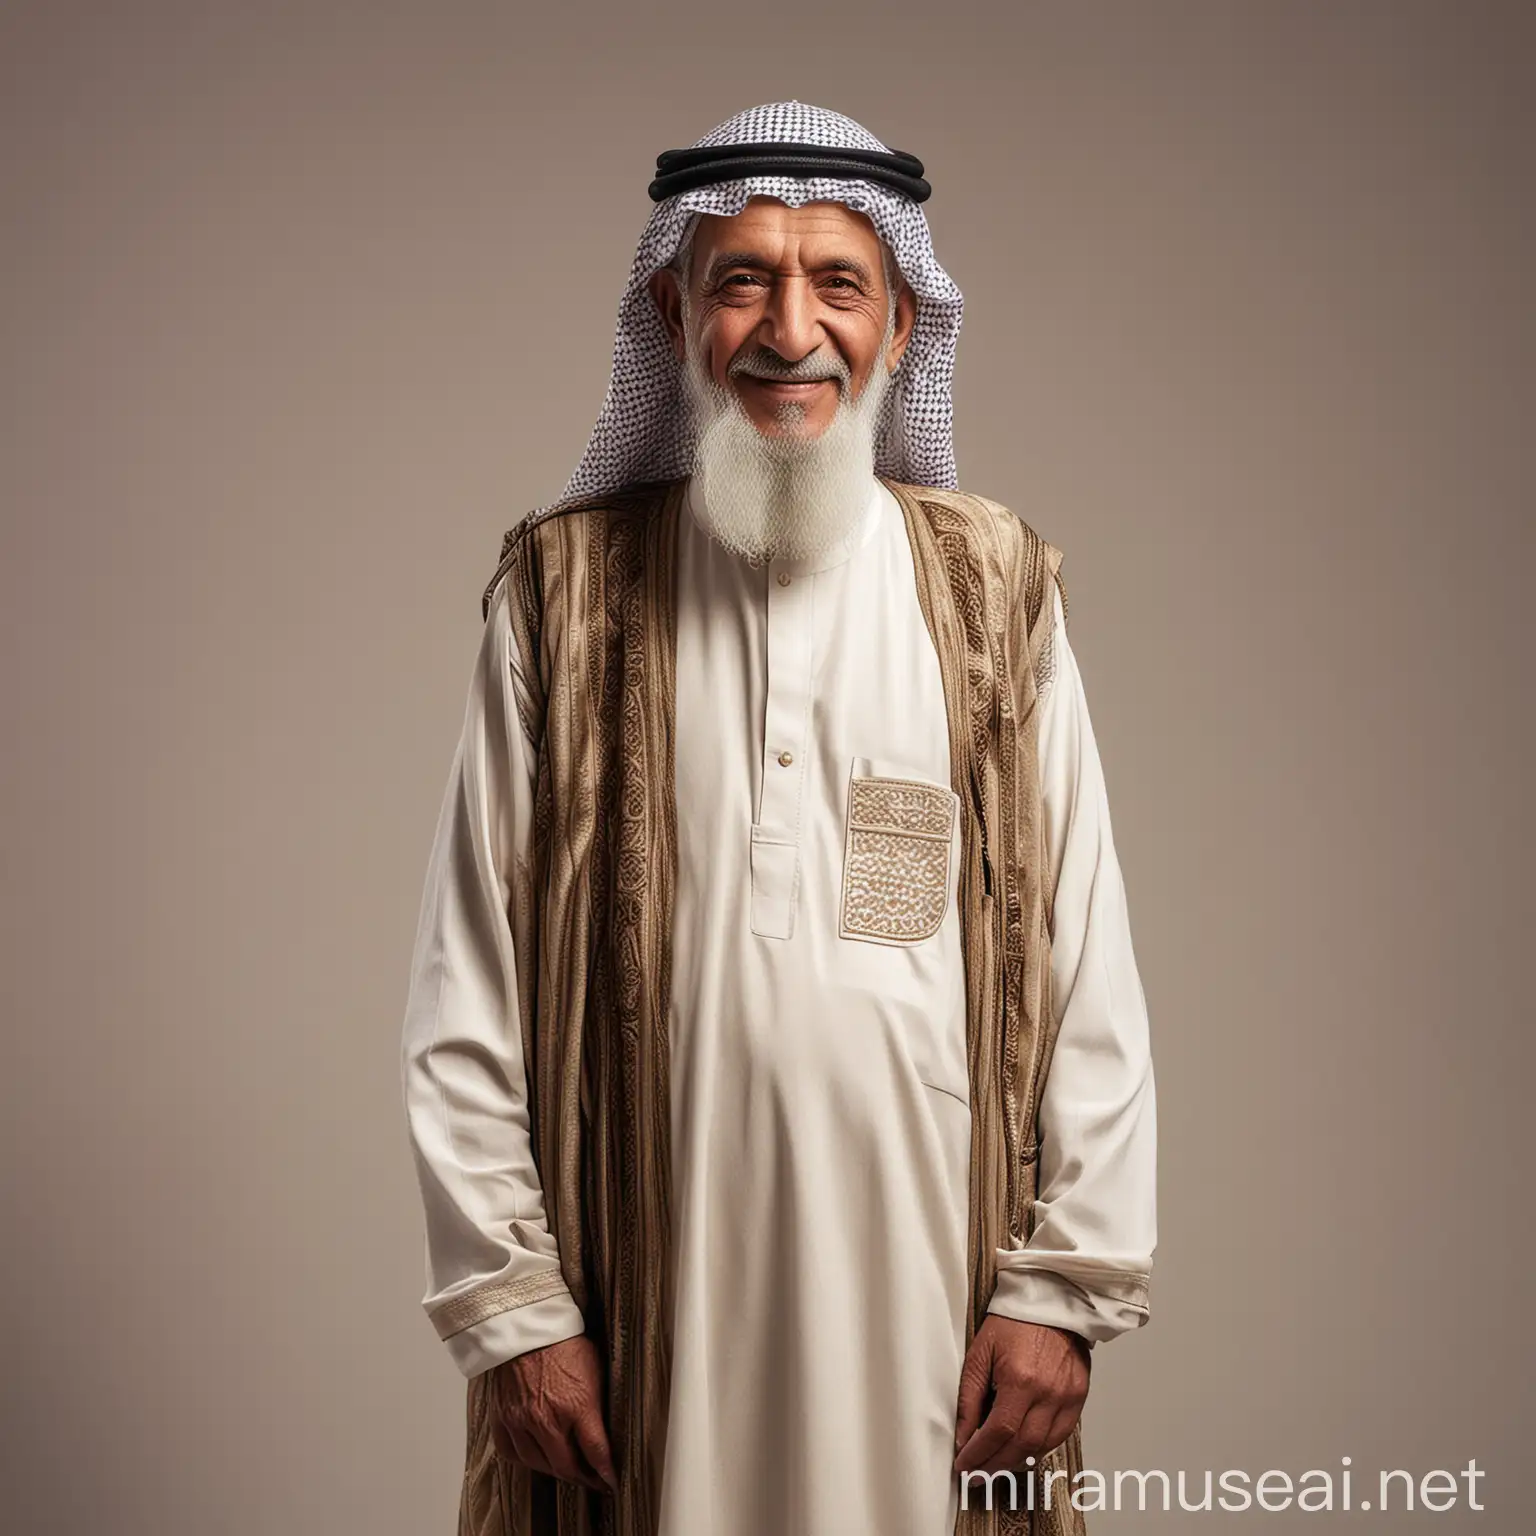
790,388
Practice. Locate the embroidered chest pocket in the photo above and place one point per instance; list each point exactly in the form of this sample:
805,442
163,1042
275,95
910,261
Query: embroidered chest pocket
896,856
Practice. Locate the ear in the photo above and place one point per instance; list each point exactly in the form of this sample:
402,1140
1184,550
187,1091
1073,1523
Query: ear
662,285
906,318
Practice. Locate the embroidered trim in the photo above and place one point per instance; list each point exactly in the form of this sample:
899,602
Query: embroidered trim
1045,665
491,1300
896,860
901,805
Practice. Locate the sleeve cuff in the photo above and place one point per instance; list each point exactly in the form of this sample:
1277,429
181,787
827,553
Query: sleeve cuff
1041,1296
515,1332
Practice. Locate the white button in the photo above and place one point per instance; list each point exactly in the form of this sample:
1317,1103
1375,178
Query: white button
785,759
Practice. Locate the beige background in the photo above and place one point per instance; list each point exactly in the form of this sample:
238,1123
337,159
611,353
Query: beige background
304,303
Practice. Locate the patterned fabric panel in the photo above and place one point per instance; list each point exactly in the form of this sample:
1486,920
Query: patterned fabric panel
902,804
896,860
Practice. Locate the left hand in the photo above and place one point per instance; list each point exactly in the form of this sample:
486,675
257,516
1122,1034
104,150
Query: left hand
1038,1378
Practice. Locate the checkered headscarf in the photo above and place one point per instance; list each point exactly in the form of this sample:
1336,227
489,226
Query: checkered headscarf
641,431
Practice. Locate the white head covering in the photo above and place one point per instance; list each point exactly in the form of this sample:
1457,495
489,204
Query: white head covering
641,432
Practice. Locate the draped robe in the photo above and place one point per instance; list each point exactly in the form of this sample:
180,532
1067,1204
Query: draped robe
590,592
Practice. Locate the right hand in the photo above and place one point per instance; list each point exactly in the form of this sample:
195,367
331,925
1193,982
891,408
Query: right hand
547,1413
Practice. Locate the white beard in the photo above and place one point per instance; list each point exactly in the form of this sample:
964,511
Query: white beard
790,496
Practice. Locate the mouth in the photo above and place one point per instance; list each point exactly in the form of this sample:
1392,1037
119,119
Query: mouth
787,389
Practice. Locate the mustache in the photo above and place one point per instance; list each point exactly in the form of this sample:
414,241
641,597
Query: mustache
764,363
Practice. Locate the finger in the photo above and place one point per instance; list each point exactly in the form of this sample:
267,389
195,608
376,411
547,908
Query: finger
528,1451
974,1379
555,1441
592,1441
1029,1441
1008,1412
1061,1426
586,1474
1010,1456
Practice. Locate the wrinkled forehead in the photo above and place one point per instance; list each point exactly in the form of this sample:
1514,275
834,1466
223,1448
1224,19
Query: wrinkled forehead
810,233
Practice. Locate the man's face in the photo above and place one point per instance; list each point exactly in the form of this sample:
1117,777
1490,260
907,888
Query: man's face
775,285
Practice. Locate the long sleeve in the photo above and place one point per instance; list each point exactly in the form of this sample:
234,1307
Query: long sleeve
1088,1261
494,1286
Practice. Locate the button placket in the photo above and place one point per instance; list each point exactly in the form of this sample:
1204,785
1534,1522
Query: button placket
776,834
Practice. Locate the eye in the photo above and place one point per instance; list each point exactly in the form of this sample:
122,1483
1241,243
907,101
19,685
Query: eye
739,277
844,281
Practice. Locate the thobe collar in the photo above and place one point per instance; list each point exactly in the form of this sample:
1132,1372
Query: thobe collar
858,536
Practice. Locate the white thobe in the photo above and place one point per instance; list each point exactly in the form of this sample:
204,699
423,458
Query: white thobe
821,1121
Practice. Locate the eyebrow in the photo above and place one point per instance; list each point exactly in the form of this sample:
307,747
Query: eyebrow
756,263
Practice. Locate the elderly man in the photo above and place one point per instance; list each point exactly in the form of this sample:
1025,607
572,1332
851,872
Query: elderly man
776,1061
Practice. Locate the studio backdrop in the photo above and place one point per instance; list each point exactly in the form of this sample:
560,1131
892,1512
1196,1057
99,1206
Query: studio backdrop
304,304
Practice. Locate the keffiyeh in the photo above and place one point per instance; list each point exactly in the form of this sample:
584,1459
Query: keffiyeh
641,432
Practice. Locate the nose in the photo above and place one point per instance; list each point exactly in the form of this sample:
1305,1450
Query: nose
789,324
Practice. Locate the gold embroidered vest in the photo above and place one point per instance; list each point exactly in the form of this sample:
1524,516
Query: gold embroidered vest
591,604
